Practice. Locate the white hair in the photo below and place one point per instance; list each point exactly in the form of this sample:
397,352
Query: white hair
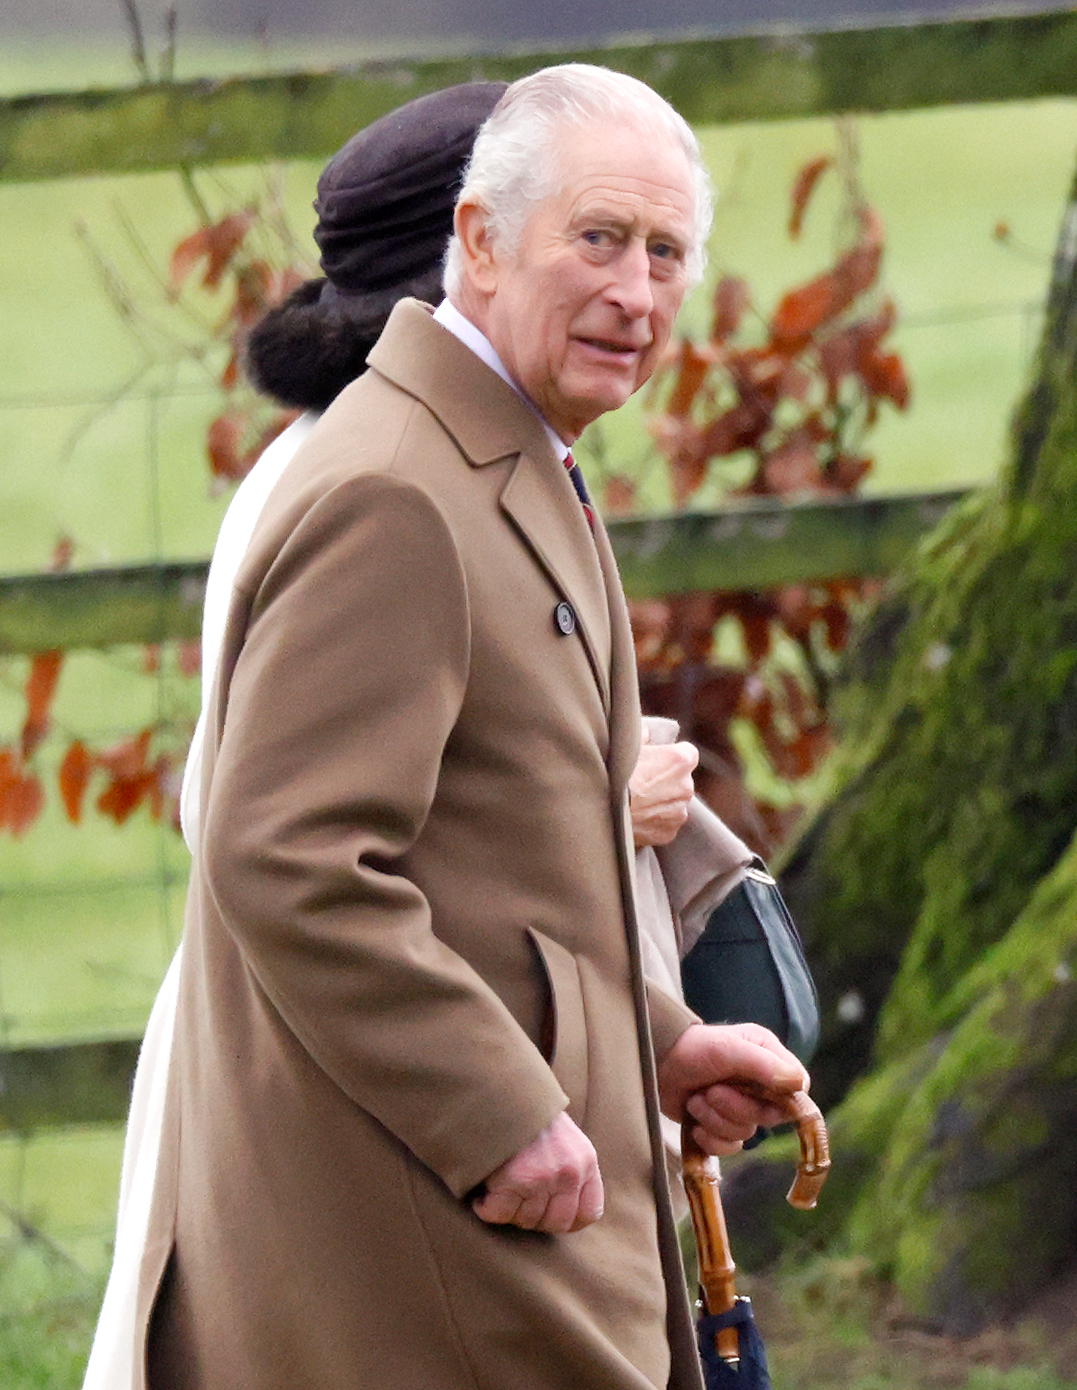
514,164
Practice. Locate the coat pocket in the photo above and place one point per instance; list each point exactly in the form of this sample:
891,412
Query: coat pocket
568,1034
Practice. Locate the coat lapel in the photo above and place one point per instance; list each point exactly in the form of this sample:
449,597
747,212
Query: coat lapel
490,423
540,499
624,682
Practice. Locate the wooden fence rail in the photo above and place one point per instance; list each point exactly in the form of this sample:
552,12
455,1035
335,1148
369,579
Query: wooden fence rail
305,115
85,1083
752,545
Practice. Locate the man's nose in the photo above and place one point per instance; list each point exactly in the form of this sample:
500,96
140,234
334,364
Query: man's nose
632,288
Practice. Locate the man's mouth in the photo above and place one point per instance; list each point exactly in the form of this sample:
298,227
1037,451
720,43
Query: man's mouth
617,348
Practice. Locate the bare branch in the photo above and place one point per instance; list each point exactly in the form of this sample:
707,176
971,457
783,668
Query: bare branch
34,1235
168,53
138,40
186,174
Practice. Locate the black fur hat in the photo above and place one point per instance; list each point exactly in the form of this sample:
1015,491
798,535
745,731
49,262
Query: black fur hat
385,206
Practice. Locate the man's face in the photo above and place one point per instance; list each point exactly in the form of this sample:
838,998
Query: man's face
580,313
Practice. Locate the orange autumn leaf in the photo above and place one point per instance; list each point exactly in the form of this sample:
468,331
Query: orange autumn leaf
255,284
803,187
127,759
618,495
718,696
757,704
691,369
843,473
62,554
10,767
21,798
883,373
802,312
695,616
837,622
651,619
40,688
837,360
755,627
797,703
189,657
282,282
216,244
740,427
793,467
229,377
795,610
123,795
808,749
731,300
73,776
224,440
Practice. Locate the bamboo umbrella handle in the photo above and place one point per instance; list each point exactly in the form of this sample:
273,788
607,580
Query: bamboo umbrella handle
716,1267
701,1185
814,1148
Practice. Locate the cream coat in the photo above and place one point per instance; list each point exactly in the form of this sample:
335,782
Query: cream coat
410,940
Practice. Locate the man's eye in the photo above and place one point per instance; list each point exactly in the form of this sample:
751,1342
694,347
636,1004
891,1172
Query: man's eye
667,259
595,236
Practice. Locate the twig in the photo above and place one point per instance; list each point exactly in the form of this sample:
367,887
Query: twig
169,347
277,219
34,1235
113,285
201,322
168,53
138,41
197,202
83,426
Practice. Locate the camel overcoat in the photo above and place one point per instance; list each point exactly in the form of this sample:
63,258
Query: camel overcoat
410,939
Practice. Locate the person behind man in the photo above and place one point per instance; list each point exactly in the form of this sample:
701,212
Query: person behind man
385,203
410,1133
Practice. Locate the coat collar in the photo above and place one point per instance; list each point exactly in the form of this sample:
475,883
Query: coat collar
430,363
489,422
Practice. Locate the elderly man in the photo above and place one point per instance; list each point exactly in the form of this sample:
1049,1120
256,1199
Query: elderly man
411,1129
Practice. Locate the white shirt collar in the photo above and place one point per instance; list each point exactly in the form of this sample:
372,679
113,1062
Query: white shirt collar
450,317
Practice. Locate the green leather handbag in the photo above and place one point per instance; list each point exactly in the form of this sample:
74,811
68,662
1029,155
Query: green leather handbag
748,966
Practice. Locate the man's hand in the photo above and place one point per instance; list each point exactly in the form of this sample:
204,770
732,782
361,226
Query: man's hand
718,1075
552,1185
660,789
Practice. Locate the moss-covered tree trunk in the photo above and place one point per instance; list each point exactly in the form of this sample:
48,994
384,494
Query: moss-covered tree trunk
937,886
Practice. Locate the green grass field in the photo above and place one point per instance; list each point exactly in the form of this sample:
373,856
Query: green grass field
128,481
942,180
89,915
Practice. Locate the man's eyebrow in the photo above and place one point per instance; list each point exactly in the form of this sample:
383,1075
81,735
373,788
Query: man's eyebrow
627,222
603,217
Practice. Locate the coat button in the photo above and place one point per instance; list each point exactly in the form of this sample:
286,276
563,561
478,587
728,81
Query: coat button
564,618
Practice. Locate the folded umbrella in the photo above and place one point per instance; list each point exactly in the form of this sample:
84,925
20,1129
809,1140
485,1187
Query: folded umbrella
730,1346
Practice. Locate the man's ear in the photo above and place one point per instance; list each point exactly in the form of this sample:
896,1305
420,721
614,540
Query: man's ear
477,259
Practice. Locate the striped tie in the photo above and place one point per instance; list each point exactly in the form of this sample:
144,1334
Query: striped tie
576,476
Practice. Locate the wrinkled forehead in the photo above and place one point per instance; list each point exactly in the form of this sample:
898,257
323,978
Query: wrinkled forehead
625,161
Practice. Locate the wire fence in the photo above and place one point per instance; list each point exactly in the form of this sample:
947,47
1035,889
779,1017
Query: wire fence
91,913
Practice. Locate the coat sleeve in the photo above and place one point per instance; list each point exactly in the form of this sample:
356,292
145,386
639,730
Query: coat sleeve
668,1018
348,680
